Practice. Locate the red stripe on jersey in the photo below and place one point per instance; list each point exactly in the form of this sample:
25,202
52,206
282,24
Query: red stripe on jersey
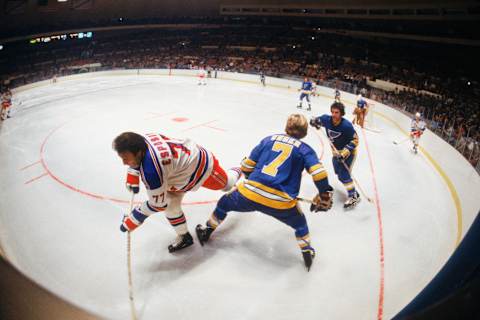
197,174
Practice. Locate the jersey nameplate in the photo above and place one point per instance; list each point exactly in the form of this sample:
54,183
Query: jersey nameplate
285,139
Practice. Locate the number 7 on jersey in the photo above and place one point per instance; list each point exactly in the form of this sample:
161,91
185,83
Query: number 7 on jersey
285,150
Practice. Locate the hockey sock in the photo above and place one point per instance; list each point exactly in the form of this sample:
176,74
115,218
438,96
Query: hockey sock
213,222
303,242
179,223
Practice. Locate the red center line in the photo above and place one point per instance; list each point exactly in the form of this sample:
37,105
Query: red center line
380,233
30,165
200,125
31,180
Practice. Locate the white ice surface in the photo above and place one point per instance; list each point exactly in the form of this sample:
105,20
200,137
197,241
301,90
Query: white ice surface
55,230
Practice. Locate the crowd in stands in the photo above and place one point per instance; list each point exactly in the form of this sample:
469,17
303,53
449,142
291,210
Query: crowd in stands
447,97
453,28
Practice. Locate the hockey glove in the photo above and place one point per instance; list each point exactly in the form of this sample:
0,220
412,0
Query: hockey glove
322,201
132,221
314,123
133,180
342,154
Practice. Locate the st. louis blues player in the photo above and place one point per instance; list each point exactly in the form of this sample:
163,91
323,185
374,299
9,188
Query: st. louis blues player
344,141
337,95
274,171
305,90
360,111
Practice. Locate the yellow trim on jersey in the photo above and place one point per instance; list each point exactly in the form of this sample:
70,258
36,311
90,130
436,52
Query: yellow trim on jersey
268,189
317,166
355,140
318,172
247,165
257,197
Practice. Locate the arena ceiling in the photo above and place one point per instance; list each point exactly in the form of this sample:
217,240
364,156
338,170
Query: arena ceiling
23,13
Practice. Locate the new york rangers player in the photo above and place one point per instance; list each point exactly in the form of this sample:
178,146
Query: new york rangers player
416,130
169,168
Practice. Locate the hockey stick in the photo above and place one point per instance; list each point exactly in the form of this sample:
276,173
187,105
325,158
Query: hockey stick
349,171
401,141
129,266
304,200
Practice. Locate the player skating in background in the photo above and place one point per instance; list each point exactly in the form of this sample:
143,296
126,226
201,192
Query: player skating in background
337,95
262,78
360,111
305,90
314,89
274,172
6,103
344,141
202,76
169,168
416,131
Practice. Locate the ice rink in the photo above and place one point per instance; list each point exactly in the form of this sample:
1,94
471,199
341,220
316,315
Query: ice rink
63,198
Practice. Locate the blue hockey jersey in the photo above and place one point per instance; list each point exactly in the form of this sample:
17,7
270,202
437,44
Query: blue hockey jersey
342,135
361,103
274,170
306,86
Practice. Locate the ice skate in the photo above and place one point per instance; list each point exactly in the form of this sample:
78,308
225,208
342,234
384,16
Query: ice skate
308,254
181,242
203,233
352,201
299,106
309,108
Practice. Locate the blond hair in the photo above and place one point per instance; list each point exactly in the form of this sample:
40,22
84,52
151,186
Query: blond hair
297,126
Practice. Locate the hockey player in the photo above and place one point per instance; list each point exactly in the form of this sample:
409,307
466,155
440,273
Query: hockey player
417,129
274,172
168,168
344,141
201,76
262,78
314,89
337,95
305,90
360,111
6,101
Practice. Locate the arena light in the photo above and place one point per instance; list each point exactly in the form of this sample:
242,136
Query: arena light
1,46
62,0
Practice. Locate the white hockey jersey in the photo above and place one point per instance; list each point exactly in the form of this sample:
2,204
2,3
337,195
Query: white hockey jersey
172,165
417,125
